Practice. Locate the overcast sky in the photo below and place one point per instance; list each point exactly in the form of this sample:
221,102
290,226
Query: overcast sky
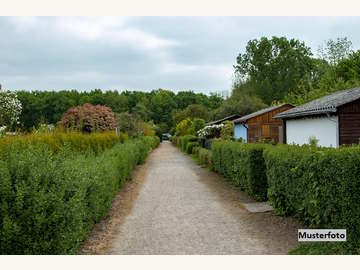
144,53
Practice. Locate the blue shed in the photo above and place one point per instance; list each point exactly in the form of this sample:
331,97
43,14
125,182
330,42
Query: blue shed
240,131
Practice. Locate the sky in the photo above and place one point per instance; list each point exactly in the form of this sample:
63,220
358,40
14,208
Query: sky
144,53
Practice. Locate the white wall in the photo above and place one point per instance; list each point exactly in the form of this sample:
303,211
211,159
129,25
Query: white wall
325,129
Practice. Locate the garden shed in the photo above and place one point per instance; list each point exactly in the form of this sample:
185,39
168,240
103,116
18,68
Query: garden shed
332,120
261,125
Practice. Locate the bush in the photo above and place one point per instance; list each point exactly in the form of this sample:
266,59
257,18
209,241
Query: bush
320,186
49,203
184,140
96,142
190,146
89,118
243,165
205,157
195,150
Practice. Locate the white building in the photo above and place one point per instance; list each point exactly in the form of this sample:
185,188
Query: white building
333,120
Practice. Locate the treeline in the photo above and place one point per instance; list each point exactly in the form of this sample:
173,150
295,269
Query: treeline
162,107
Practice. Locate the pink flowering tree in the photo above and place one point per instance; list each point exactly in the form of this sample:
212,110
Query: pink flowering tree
89,118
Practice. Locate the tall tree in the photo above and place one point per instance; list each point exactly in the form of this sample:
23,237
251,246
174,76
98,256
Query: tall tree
274,66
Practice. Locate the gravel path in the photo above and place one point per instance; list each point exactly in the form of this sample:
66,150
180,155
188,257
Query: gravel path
182,208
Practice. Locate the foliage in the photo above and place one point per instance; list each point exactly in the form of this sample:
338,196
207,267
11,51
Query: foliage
227,130
241,102
243,165
184,140
197,124
184,127
58,198
320,186
47,107
192,111
274,66
335,50
190,146
205,157
133,125
89,118
77,142
10,109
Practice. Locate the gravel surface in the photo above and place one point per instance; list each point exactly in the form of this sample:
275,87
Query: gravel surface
182,208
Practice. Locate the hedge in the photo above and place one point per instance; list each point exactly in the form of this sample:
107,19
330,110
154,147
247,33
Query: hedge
49,202
190,146
320,186
243,164
80,142
184,140
205,157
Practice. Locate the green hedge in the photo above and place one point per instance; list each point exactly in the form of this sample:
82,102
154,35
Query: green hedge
80,142
49,203
243,165
320,186
205,157
190,146
184,140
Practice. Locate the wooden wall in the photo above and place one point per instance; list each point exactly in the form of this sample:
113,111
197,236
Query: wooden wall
265,127
349,123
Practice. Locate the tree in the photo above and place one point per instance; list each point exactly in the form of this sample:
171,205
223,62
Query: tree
161,104
89,118
349,69
240,102
192,111
10,109
274,66
335,50
197,124
184,127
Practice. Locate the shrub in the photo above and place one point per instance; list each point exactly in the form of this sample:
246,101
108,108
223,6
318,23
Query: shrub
320,186
184,140
49,202
89,118
96,142
184,127
190,146
205,157
195,150
243,165
10,108
227,130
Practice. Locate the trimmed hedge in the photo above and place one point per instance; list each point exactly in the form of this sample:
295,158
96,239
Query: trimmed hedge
49,203
243,164
320,186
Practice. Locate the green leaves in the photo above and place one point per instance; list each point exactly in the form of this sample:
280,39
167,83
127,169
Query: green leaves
320,186
243,165
49,202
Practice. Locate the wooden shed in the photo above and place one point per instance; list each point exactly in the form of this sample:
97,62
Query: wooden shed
261,126
333,120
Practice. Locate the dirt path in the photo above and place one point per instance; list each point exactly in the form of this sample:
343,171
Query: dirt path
173,206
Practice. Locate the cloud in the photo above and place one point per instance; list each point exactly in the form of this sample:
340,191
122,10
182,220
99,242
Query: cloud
144,53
